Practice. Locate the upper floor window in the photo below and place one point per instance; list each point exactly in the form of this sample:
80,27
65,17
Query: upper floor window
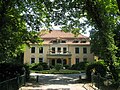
84,50
53,49
59,49
63,41
32,60
58,41
75,41
77,60
64,50
83,41
53,41
41,50
77,50
33,50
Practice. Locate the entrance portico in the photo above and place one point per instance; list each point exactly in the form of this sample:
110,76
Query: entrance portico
55,61
63,60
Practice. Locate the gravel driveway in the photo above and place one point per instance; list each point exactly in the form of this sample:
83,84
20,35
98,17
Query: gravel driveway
55,82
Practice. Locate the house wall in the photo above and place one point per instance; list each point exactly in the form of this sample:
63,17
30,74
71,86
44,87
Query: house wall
71,48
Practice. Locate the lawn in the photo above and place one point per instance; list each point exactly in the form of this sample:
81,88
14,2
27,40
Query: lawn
53,71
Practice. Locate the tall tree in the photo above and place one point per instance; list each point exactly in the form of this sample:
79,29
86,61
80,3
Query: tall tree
101,15
16,17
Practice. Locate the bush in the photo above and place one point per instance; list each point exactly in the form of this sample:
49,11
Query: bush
11,70
99,68
79,66
58,67
39,66
33,66
51,66
67,66
27,71
44,65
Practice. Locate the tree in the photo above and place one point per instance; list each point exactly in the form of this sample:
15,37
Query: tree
102,16
117,39
16,17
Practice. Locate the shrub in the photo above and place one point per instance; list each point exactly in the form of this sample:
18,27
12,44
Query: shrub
99,68
51,66
58,67
79,66
44,65
67,66
39,66
27,71
33,66
11,70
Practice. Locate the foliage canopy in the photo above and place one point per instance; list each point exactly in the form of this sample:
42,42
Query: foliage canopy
19,16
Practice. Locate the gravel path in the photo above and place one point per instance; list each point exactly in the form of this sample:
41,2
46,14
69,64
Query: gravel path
55,82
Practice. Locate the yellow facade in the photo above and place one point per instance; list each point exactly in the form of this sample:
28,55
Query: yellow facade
61,50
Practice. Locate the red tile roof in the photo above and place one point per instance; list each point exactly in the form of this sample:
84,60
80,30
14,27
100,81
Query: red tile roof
60,34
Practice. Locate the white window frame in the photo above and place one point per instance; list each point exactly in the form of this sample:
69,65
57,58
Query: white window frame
31,49
39,50
42,59
31,60
79,50
76,60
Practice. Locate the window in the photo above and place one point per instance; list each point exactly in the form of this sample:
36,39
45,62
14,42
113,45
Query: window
77,60
33,50
83,41
54,41
84,59
64,50
41,50
84,50
32,60
58,40
77,50
75,41
63,41
53,49
59,50
40,60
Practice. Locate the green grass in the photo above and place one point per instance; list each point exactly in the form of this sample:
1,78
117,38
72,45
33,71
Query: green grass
53,71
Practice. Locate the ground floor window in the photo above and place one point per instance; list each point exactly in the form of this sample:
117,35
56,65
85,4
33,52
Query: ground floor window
40,60
85,59
77,60
32,60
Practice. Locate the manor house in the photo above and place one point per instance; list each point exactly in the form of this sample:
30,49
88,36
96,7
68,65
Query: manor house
59,47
